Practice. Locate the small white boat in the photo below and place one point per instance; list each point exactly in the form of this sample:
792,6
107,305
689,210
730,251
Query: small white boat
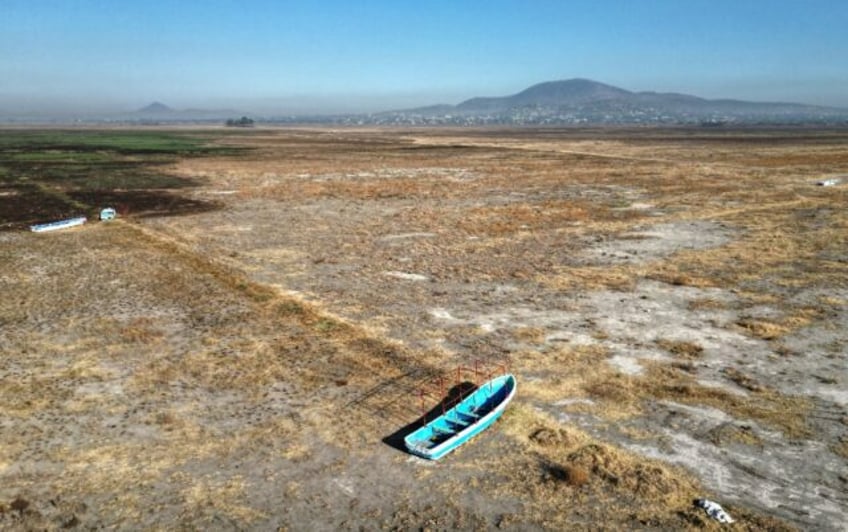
61,224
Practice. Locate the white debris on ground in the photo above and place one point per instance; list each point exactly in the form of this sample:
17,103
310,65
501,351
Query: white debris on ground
407,276
714,510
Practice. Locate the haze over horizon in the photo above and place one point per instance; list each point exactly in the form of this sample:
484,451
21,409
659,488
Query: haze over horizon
89,56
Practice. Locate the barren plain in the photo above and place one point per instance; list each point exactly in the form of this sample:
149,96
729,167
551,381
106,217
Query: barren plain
243,348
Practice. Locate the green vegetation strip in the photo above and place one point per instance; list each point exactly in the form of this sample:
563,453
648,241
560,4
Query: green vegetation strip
116,141
86,169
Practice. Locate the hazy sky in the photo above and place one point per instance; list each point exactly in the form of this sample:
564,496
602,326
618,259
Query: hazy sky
286,56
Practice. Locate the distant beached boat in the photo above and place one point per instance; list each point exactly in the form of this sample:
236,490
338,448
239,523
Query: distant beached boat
61,224
468,418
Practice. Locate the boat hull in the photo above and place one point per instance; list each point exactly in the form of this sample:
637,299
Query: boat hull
62,224
468,418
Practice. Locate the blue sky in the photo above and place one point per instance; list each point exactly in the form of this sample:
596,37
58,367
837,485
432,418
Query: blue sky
286,56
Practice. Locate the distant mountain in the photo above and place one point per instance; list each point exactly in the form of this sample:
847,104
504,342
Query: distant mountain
155,108
551,93
583,101
160,112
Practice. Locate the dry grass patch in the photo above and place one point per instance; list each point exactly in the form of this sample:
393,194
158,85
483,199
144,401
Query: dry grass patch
532,335
764,329
367,190
582,372
729,433
503,220
677,278
141,331
781,248
815,158
840,448
832,301
564,369
708,304
541,431
621,279
570,469
614,390
227,496
764,405
682,349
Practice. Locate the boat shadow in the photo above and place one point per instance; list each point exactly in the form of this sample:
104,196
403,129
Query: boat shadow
454,395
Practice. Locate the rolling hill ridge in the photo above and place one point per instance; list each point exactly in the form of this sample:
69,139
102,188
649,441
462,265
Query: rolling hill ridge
586,101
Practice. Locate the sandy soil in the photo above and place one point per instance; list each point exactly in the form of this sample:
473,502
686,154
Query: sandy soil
674,304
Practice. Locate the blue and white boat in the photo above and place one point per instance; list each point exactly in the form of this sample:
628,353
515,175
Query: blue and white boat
61,224
459,424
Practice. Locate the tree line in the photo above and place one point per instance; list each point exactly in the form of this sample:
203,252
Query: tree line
240,122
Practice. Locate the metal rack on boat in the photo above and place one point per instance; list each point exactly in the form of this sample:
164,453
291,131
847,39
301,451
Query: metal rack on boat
436,388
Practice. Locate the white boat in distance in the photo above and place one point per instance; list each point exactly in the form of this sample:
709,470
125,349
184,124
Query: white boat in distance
61,224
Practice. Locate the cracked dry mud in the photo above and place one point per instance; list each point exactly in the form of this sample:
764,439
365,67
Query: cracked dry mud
674,308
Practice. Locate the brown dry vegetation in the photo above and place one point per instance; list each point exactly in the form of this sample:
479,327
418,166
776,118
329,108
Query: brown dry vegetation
254,364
